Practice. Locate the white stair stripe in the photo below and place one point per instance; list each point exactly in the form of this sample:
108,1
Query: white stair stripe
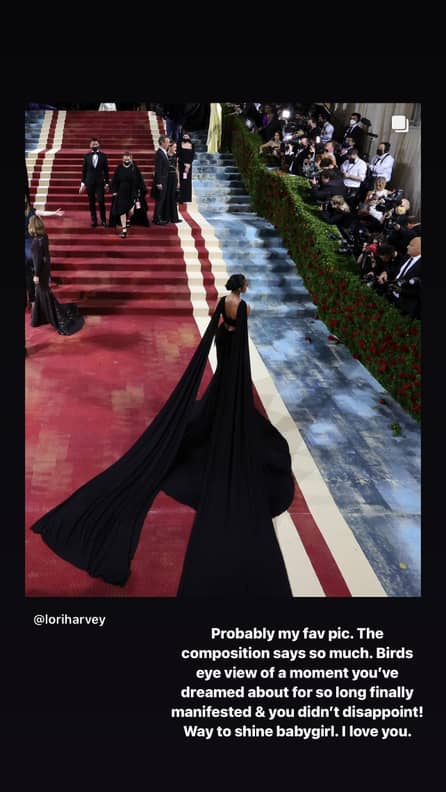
43,185
44,131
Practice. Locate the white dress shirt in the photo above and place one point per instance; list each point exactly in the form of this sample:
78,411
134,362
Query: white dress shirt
357,168
406,267
327,132
382,166
95,160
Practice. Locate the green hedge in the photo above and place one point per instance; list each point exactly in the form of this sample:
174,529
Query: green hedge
386,342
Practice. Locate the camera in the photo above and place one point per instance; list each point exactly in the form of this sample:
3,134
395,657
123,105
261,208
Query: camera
401,285
368,260
354,242
289,128
346,247
389,203
368,279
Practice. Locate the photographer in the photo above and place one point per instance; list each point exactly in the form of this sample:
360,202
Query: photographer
253,115
327,128
271,124
404,289
337,212
302,151
344,151
403,232
354,171
313,131
330,183
374,205
273,146
375,260
332,151
395,221
382,164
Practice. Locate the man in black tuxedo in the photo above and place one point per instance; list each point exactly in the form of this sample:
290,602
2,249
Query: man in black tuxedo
95,179
407,295
159,189
355,131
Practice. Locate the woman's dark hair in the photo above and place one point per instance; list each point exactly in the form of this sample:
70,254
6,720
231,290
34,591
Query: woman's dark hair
235,282
385,250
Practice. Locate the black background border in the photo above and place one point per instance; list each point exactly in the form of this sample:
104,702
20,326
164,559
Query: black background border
131,667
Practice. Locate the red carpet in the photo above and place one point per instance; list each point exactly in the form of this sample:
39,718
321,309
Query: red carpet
93,266
99,389
89,397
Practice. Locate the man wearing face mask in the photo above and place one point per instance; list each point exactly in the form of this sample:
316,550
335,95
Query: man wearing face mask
354,171
95,179
355,131
382,164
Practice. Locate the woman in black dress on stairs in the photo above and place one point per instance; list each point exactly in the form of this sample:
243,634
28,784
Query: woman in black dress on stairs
185,158
128,190
66,319
218,455
30,211
170,209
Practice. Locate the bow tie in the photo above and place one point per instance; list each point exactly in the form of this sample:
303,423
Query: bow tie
95,152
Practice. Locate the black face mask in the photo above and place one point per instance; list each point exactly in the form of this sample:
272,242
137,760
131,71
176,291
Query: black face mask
380,153
351,159
95,149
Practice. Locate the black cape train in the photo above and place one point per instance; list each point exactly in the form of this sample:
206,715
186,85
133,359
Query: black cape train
218,455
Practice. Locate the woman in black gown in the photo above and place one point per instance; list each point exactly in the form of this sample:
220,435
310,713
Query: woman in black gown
170,209
219,455
128,190
66,319
30,289
185,158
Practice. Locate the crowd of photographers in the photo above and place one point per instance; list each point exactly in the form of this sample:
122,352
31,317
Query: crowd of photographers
352,188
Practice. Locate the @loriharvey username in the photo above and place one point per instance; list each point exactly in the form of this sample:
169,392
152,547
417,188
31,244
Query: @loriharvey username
41,619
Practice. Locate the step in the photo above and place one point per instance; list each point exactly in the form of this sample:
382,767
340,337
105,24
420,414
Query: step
129,248
143,162
127,277
71,230
93,265
218,191
74,293
60,179
95,307
71,151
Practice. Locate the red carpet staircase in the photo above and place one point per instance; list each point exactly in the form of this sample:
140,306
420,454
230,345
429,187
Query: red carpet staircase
94,267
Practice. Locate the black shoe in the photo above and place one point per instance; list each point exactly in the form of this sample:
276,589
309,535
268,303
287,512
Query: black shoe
103,224
178,221
163,222
93,225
